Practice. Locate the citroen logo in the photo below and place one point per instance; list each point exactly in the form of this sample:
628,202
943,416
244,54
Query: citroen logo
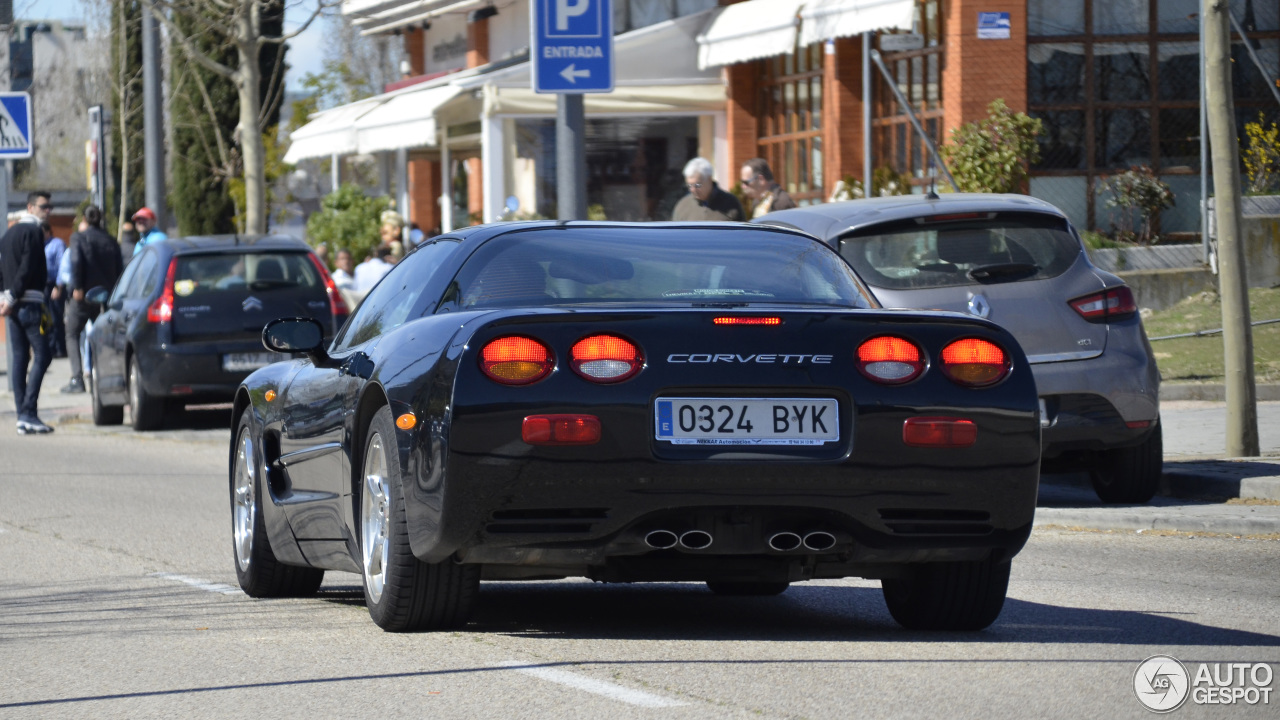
252,303
978,305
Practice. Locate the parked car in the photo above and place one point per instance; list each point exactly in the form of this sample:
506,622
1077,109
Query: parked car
718,403
1017,261
184,322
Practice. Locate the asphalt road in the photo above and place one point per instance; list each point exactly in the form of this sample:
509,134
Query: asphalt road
118,599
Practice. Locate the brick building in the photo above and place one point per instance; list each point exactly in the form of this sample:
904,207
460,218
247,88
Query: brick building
1115,83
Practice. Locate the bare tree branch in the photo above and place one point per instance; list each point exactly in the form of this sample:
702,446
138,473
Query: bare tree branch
154,6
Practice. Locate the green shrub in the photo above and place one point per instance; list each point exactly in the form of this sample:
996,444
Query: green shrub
1261,157
1137,190
993,154
348,220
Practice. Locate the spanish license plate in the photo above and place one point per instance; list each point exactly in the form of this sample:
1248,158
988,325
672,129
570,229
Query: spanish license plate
747,421
239,362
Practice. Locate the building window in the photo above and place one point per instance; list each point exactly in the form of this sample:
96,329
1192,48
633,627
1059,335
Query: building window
1116,84
917,74
790,116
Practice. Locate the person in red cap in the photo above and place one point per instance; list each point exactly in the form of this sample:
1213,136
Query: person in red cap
145,222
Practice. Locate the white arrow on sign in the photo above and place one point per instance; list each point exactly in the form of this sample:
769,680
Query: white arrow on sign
571,74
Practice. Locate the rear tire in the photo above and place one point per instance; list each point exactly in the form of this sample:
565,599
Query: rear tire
102,414
948,595
403,593
1130,475
747,589
260,574
148,411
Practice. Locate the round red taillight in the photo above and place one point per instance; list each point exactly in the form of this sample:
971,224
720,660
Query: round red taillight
975,362
890,360
516,360
605,358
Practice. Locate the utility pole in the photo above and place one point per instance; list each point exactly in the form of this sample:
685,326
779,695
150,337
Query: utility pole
1237,340
153,116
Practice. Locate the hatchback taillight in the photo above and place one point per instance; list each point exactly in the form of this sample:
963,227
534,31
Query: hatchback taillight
516,360
1114,304
890,360
337,305
975,362
161,311
605,358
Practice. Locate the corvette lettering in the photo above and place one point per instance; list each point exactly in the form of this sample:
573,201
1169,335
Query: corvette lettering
762,359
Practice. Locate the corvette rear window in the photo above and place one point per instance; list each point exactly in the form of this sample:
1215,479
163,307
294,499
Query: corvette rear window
1003,247
552,267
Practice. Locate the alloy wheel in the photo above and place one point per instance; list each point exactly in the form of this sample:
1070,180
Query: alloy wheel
244,502
375,518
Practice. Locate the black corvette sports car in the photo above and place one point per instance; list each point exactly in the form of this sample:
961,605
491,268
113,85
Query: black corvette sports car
718,403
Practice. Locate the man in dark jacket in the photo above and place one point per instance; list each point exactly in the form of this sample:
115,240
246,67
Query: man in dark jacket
705,201
95,262
766,195
22,281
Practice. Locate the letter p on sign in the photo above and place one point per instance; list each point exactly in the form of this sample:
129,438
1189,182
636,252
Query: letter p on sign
566,9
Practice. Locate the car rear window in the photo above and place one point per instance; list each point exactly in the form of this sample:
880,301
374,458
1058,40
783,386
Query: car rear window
198,275
994,247
613,265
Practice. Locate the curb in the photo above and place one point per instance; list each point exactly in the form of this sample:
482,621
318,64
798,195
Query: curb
1158,518
1242,478
1214,392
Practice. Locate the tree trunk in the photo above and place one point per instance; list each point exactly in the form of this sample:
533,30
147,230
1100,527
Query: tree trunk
248,82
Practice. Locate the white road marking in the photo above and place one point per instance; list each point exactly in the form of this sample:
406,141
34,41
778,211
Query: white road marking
591,685
198,583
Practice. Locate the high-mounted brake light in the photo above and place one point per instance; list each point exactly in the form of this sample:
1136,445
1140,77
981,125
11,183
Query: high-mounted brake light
939,432
560,430
605,358
337,305
161,311
890,360
975,362
1114,304
515,360
739,320
954,216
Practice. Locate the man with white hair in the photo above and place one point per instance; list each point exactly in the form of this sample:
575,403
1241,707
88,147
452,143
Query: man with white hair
705,201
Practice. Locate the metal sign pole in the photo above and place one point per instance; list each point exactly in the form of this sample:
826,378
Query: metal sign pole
571,158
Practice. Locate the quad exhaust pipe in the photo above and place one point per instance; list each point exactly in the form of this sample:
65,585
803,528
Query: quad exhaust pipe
690,540
788,541
661,539
696,540
816,541
819,540
784,541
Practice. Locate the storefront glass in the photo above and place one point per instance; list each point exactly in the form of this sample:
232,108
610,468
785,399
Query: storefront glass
634,166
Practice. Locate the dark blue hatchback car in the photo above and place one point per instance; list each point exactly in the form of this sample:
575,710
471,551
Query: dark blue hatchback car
184,323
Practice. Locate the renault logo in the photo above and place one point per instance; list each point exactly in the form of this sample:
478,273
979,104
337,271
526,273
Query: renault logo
252,303
979,306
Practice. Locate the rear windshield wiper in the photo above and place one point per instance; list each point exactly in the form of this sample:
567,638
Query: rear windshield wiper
1003,272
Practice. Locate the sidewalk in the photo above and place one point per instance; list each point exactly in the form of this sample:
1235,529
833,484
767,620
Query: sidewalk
1197,494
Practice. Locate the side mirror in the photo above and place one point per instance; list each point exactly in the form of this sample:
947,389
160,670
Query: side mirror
294,335
97,295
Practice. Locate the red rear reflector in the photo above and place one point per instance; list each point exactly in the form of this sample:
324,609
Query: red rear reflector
1114,304
1138,424
516,360
180,390
890,360
975,362
605,358
162,309
734,320
561,430
939,432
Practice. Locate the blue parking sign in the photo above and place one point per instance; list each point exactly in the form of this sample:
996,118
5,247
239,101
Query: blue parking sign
15,126
572,44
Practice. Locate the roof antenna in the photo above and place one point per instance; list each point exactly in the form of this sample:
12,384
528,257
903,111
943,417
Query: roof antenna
933,181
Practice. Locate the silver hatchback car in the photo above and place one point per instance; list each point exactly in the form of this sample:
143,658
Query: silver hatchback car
1018,262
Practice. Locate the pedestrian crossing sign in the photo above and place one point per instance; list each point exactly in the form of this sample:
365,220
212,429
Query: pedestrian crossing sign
15,126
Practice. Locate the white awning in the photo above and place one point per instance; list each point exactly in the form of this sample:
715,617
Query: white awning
332,132
405,120
826,19
749,30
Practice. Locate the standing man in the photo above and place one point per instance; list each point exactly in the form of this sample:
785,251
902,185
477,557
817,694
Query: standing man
705,201
95,261
22,280
766,195
55,251
145,222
